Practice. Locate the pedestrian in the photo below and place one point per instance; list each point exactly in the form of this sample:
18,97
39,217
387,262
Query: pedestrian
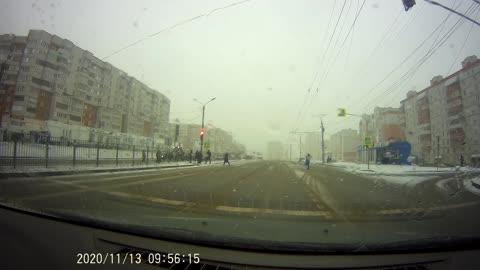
462,160
159,156
196,156
225,159
209,156
307,160
200,157
144,155
190,156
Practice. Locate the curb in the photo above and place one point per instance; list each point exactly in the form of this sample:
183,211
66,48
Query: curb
57,173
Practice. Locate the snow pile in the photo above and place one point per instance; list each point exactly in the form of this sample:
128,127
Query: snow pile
396,169
473,185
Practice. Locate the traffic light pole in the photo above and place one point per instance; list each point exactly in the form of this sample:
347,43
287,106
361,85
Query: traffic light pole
203,123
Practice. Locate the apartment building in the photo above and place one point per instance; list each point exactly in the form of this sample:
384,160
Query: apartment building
49,84
388,125
442,122
343,145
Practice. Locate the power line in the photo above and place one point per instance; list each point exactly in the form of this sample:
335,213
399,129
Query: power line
173,26
343,24
415,68
326,32
408,57
303,108
299,119
343,43
463,46
454,11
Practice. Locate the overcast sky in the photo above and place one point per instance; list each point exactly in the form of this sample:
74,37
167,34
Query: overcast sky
259,58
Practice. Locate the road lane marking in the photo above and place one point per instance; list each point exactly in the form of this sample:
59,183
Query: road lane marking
224,208
99,189
148,198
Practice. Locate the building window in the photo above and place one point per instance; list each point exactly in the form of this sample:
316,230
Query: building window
75,118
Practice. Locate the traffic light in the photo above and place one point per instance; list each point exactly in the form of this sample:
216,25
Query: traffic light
202,132
342,112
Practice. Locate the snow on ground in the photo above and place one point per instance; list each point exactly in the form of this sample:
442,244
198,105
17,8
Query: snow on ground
394,169
408,175
473,185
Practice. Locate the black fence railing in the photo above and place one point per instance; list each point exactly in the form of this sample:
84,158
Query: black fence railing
20,150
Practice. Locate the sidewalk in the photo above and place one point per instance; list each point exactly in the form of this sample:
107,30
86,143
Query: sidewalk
70,170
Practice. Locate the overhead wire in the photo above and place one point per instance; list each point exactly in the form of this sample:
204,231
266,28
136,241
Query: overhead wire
463,45
407,57
343,43
299,119
341,47
351,40
415,68
409,74
302,107
172,27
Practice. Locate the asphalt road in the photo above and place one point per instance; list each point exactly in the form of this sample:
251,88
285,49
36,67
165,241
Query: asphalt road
271,190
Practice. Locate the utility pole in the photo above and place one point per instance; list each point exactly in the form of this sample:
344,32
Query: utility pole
290,152
300,146
323,142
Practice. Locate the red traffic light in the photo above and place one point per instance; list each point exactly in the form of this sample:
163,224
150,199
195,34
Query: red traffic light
202,131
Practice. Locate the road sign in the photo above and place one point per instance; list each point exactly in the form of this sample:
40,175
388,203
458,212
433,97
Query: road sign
342,112
368,141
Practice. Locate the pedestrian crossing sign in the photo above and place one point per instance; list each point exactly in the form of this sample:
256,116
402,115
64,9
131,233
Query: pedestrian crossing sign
367,141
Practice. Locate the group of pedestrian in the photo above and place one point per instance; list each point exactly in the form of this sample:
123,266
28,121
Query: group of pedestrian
208,159
197,158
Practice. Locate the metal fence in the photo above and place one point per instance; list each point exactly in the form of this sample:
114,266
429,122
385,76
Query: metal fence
19,151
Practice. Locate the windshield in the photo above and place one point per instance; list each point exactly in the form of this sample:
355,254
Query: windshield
311,125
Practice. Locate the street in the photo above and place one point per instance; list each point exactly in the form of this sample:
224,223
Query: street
270,190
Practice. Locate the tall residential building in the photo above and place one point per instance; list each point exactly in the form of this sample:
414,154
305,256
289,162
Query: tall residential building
443,120
366,126
49,84
388,125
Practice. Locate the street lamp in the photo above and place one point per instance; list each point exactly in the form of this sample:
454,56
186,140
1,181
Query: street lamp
203,120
